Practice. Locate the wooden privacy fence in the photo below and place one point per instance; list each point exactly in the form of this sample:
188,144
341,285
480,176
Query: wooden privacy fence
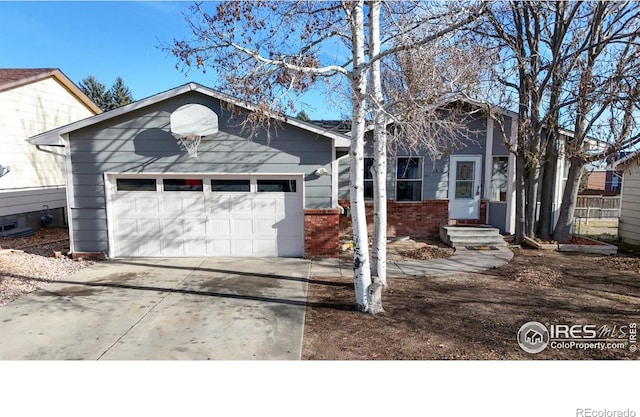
597,207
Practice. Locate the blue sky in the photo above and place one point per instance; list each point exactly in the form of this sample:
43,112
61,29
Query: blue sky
106,40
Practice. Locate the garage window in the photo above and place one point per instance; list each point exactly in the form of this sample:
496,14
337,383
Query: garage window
230,186
276,186
136,184
182,185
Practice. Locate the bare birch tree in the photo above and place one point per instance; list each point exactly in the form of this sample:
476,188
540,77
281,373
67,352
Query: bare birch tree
268,53
416,101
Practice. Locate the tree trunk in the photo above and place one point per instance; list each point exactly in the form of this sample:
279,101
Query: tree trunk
379,252
361,261
547,190
520,200
569,197
532,177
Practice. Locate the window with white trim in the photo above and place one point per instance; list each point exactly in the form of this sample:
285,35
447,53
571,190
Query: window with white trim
499,172
136,184
409,179
276,186
230,186
171,184
368,179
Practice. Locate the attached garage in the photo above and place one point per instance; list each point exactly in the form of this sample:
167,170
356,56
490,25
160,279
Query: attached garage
135,190
206,215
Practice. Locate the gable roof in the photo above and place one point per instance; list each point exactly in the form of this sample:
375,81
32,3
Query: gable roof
53,137
11,78
340,126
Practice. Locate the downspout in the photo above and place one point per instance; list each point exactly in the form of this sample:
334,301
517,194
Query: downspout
68,185
39,147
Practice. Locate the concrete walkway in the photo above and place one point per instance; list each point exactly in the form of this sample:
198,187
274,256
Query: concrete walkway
463,260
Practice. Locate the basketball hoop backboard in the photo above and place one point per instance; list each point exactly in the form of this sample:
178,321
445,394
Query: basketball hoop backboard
190,123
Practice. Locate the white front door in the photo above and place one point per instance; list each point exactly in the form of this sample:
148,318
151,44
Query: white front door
464,187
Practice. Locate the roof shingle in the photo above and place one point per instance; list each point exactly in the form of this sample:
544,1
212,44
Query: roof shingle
14,77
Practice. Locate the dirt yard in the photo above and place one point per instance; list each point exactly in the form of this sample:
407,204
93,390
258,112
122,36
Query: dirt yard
477,316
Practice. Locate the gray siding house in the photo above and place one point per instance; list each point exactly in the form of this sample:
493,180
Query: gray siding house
134,191
472,184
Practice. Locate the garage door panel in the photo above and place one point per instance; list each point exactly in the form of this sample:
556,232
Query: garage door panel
148,205
194,227
206,223
266,226
149,247
195,247
125,227
220,247
173,206
125,207
193,207
241,205
241,226
172,247
242,247
219,204
265,206
127,247
150,227
265,247
172,227
220,226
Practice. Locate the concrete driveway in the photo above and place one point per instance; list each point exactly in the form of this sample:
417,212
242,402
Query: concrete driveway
195,308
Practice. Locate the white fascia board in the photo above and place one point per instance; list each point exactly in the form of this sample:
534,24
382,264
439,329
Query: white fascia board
45,139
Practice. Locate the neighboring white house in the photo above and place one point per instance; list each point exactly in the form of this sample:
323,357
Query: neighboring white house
33,101
629,223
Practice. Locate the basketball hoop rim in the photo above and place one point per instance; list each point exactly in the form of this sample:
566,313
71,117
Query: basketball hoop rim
190,143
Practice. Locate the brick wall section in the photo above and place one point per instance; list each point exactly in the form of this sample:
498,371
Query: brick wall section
321,233
89,256
419,219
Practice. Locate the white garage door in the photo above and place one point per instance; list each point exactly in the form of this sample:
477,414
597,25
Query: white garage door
238,216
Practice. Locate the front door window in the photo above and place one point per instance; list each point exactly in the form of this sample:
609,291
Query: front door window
465,179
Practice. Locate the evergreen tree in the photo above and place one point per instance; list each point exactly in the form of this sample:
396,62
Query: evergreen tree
120,94
117,96
96,91
302,115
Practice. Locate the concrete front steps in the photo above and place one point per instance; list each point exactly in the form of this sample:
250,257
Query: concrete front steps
472,236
